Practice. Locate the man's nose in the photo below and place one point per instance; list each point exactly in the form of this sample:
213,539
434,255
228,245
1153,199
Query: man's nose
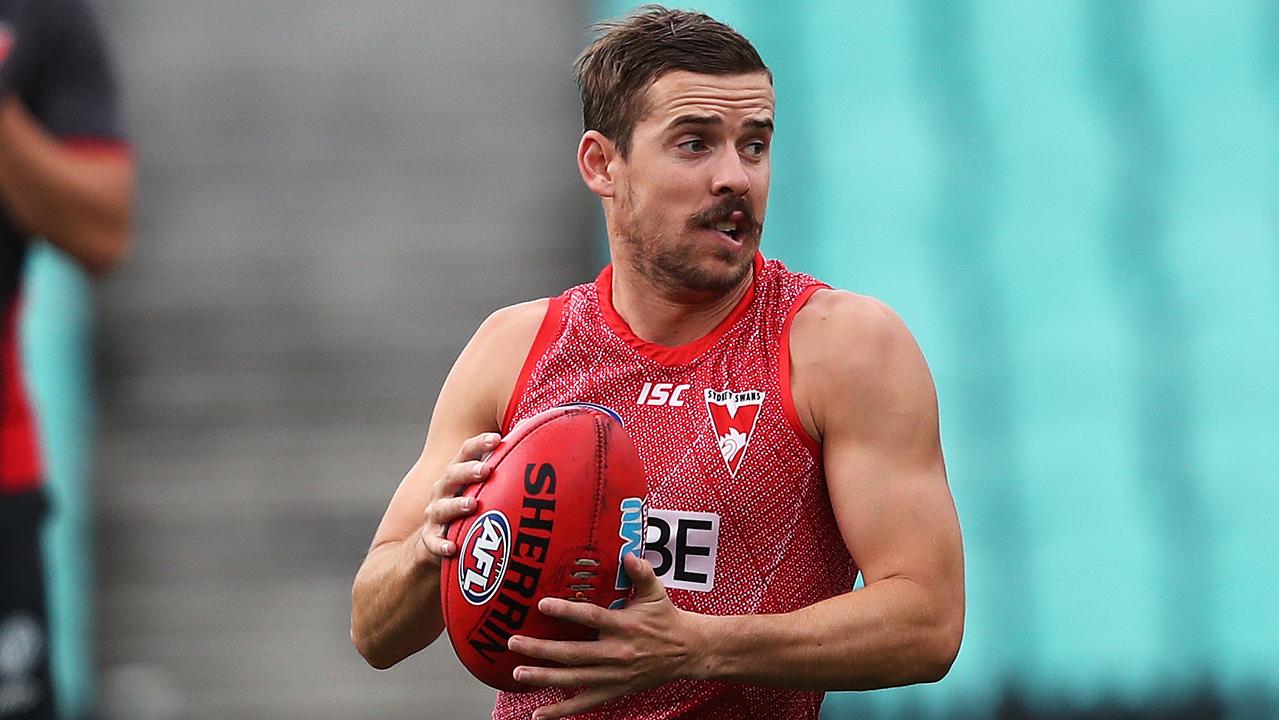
730,175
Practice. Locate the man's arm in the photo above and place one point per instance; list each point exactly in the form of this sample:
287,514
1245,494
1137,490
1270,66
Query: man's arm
863,390
79,199
872,405
395,602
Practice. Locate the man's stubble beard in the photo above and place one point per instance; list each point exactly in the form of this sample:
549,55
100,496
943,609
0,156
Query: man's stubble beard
672,267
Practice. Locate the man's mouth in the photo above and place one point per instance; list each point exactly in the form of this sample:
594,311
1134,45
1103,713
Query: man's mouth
734,226
728,227
730,217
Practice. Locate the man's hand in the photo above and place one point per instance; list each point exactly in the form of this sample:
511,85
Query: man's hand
445,504
395,601
645,644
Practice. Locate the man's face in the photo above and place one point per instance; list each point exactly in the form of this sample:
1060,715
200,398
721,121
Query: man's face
691,196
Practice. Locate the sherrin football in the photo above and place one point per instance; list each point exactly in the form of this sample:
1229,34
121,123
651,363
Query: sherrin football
563,502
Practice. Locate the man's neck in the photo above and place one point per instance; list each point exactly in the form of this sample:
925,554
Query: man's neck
671,319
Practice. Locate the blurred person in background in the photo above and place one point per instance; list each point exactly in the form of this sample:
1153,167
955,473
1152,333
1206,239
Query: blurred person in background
67,175
840,459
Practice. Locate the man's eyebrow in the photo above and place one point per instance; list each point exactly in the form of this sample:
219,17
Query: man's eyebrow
711,120
695,120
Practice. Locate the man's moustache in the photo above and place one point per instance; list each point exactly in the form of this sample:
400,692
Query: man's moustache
722,211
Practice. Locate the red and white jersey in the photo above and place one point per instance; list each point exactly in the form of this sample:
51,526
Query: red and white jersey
740,521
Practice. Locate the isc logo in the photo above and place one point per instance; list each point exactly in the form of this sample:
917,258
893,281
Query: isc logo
661,394
484,555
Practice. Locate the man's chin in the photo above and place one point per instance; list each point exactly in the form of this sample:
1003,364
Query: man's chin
721,273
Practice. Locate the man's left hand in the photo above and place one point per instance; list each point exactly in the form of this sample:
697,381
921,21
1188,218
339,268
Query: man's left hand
640,646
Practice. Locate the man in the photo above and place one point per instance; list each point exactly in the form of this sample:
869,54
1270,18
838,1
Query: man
67,175
786,429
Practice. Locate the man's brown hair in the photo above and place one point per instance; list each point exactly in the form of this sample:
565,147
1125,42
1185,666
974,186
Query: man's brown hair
616,69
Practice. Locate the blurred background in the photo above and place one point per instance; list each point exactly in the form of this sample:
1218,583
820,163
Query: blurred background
1074,205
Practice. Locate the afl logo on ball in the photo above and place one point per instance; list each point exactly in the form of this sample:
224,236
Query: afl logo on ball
482,561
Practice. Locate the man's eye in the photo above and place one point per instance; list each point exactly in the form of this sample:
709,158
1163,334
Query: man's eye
756,148
693,145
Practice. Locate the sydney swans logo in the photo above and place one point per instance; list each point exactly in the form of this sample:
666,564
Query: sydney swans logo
733,416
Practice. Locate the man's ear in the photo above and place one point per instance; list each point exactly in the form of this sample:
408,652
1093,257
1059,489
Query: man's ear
596,156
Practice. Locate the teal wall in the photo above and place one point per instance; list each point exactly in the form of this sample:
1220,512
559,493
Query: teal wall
1075,207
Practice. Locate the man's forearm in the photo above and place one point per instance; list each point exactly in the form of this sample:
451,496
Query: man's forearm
80,202
884,635
395,603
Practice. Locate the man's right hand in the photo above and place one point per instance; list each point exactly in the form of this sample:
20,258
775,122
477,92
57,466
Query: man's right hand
447,503
395,599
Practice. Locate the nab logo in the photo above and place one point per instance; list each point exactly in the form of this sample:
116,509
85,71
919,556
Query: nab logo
632,534
483,557
733,416
661,394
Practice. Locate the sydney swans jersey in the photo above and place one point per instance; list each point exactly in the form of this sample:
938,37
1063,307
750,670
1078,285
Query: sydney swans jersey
739,517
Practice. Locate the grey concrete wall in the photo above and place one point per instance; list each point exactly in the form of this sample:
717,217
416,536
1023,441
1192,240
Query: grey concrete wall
333,195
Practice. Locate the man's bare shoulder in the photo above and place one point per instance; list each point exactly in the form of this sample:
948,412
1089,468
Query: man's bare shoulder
843,330
484,375
853,357
513,322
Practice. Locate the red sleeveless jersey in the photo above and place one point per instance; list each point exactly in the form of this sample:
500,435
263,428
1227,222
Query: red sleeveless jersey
740,521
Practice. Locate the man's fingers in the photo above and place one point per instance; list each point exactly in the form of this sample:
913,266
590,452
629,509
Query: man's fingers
567,652
582,613
446,510
467,466
569,677
647,586
474,448
448,505
458,476
439,514
438,546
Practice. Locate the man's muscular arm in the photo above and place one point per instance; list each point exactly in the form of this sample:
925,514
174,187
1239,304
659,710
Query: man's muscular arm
870,402
395,602
79,200
862,388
